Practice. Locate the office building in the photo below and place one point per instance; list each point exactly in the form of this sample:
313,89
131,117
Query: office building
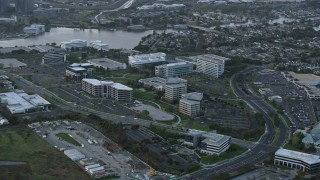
78,72
191,104
107,64
208,142
54,56
20,102
173,69
107,89
147,59
4,6
174,89
34,29
210,64
24,6
99,45
74,45
297,160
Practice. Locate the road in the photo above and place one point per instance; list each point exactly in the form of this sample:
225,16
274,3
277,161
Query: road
126,5
255,154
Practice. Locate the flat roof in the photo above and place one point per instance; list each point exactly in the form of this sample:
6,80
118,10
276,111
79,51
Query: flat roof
121,87
193,96
106,62
308,158
96,82
173,80
147,58
210,58
216,139
187,101
306,79
154,81
11,62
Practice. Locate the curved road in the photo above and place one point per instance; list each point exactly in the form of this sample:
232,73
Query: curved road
261,150
126,5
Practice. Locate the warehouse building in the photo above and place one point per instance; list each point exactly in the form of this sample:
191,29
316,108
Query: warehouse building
74,154
20,102
12,63
173,69
174,89
208,142
297,160
107,64
107,89
191,104
80,71
147,59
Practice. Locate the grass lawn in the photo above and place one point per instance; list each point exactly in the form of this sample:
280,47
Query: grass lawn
233,151
68,138
19,143
199,126
147,95
237,102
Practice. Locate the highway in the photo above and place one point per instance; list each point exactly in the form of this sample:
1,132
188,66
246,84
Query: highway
261,150
126,5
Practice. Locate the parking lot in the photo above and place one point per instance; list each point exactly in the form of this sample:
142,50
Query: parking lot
154,113
118,162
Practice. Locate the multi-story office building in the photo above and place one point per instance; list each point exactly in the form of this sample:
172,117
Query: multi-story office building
147,59
208,142
34,29
78,72
173,69
107,89
210,64
297,160
190,104
24,6
4,6
54,56
174,89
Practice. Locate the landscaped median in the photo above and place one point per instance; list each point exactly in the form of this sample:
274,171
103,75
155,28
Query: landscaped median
68,138
233,151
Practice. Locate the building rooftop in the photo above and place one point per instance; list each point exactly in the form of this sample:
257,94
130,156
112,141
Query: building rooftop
105,62
8,63
78,68
147,58
96,82
176,64
216,139
194,96
74,154
308,158
172,80
210,58
121,87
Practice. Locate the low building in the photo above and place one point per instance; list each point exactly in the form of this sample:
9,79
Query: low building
297,160
78,72
191,104
99,45
146,59
5,83
74,45
174,69
12,63
107,89
208,142
313,137
74,154
156,83
107,64
174,89
20,102
34,29
55,56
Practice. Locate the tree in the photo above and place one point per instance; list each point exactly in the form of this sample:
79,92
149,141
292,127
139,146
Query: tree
297,140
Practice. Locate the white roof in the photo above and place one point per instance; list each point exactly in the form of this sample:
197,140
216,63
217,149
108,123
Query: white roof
308,158
176,64
96,82
11,63
78,68
74,154
147,58
121,87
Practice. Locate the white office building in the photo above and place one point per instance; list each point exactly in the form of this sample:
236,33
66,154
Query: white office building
174,89
173,69
20,102
210,64
297,160
208,142
80,71
107,64
34,29
99,45
190,104
146,59
75,44
107,89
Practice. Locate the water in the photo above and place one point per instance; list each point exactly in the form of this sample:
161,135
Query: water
115,39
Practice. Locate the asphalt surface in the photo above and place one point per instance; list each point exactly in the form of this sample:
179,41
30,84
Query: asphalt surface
257,153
